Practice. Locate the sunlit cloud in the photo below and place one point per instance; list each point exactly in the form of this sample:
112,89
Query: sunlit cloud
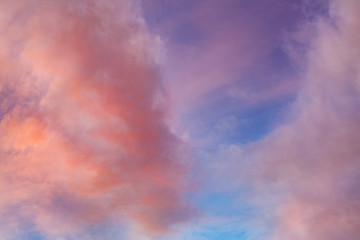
179,119
84,137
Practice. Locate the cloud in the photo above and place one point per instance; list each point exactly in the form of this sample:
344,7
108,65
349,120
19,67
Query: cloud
223,47
310,164
83,137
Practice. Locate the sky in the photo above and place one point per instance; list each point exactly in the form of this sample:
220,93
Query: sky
179,120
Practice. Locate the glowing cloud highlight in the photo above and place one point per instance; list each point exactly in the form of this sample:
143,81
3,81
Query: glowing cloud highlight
83,126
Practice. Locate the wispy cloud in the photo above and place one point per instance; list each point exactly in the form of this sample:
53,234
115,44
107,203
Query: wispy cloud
310,164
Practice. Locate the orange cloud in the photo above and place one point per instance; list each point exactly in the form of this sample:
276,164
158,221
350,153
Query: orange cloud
82,138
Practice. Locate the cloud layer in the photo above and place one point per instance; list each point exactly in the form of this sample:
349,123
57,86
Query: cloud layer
87,143
83,137
310,164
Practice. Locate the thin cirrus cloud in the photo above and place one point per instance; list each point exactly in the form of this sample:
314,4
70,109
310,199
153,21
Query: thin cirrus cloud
223,59
83,132
225,40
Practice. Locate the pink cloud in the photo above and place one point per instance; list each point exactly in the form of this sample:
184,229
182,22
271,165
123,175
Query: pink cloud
312,162
82,138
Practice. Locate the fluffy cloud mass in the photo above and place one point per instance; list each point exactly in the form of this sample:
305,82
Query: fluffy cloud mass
89,119
311,163
83,133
